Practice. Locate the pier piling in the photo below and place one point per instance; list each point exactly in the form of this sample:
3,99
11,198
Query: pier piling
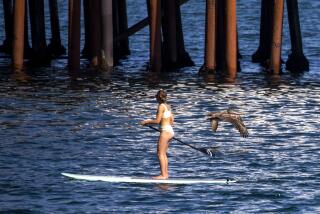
123,45
94,15
107,34
231,38
18,34
39,53
275,58
296,60
155,36
169,29
74,35
210,37
184,60
266,20
55,47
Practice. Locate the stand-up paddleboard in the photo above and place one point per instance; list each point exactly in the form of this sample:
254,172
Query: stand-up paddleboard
116,179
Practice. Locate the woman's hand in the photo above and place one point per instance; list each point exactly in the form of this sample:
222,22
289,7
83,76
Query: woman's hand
144,122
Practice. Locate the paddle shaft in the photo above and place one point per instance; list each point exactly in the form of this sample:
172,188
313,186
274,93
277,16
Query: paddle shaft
203,150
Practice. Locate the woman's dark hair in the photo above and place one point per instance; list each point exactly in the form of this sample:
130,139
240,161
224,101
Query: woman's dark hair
162,95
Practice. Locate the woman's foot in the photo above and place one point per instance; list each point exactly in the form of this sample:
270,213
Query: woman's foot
160,177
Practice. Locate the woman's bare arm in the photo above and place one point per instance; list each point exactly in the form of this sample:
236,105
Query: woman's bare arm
157,120
171,119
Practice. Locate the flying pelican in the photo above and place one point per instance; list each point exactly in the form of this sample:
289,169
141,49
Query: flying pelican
231,117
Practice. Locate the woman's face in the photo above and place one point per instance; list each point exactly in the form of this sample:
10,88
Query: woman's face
157,98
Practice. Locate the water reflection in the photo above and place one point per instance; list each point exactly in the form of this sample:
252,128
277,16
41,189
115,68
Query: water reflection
20,76
88,124
218,77
164,187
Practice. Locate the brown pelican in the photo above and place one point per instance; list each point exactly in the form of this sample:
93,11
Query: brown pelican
228,116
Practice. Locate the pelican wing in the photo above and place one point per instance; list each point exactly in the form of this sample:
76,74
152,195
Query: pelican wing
237,122
214,125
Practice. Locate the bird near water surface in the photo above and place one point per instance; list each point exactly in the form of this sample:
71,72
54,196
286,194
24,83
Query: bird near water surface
231,117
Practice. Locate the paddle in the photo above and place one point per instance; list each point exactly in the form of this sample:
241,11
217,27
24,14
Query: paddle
207,151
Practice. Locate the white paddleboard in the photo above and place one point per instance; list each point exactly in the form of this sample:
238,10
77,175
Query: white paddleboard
116,179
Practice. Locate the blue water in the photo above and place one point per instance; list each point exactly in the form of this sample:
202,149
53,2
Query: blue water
52,122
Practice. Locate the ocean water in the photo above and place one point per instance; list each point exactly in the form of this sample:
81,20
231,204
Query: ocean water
53,122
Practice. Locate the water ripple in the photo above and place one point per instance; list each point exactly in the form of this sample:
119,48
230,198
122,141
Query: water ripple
89,124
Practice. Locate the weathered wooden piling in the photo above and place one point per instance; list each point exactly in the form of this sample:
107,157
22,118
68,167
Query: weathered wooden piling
296,60
18,34
155,36
275,58
55,47
74,35
210,37
107,34
231,38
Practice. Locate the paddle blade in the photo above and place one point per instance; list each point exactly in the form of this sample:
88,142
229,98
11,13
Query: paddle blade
206,151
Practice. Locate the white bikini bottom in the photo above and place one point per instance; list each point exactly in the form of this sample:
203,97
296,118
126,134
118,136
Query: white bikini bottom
167,128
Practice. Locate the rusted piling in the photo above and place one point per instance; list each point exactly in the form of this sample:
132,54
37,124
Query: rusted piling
296,60
210,37
107,34
231,38
155,36
74,35
55,47
275,58
18,34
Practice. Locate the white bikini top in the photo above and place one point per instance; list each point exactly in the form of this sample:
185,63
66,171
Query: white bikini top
166,113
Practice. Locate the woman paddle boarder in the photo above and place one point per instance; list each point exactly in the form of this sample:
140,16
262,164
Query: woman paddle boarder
164,117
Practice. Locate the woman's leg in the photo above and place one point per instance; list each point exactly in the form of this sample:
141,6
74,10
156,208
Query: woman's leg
163,143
